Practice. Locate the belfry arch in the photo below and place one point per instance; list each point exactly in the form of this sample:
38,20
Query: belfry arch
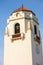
17,28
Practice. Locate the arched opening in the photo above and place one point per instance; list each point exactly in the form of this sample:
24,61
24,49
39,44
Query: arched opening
17,28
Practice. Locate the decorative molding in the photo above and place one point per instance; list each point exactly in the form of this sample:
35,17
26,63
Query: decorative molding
7,31
35,21
28,26
24,18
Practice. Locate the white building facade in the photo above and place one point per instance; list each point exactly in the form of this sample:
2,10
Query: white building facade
22,41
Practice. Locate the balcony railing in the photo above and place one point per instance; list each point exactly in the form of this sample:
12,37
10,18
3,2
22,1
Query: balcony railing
37,38
17,36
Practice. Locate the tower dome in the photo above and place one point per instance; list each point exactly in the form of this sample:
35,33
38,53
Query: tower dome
23,9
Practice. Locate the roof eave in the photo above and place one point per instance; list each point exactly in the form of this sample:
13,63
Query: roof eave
24,10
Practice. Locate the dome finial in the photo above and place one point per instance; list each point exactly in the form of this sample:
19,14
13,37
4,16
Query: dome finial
22,6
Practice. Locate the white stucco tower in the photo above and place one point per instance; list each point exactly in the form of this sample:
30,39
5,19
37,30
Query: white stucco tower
22,42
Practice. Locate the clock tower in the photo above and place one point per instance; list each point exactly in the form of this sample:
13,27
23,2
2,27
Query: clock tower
22,41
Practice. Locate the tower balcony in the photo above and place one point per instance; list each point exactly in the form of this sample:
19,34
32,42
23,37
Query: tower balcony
18,36
37,39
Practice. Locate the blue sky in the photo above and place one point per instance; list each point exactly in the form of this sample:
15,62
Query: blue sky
8,6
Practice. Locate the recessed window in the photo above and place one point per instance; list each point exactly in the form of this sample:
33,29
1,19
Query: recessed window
27,15
17,14
35,29
17,28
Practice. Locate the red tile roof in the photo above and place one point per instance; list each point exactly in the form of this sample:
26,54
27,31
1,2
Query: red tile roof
23,9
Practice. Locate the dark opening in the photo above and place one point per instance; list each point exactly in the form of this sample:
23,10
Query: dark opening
35,29
17,28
